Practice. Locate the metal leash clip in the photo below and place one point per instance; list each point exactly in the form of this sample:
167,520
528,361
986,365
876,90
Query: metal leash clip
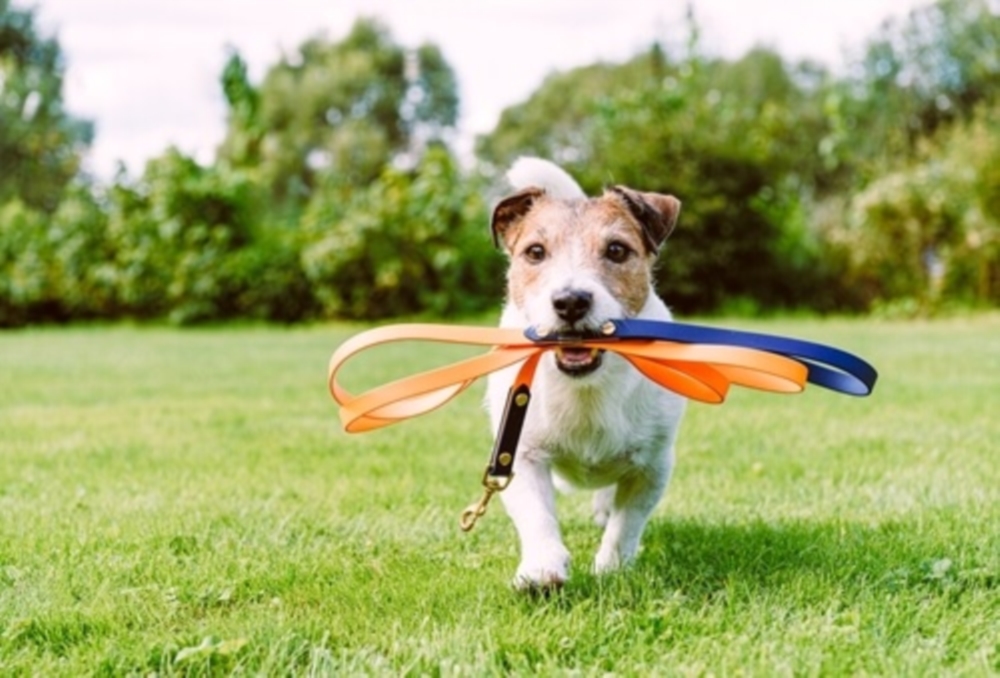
474,511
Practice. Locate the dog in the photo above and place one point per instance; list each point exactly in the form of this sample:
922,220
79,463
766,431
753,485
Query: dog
594,422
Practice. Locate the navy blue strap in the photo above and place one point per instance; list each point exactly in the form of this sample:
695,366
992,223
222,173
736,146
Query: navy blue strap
828,367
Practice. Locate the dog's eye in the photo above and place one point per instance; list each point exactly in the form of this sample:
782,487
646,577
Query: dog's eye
617,252
534,253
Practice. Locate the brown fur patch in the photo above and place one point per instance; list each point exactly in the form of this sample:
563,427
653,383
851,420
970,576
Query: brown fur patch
509,212
629,281
549,224
656,214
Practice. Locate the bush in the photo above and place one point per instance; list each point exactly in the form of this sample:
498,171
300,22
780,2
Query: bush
172,234
266,282
931,230
412,242
82,257
25,284
735,141
742,231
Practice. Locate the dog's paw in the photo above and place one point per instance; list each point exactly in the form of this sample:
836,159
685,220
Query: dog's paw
538,584
543,572
611,560
604,499
606,561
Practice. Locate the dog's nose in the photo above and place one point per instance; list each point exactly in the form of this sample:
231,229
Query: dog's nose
571,305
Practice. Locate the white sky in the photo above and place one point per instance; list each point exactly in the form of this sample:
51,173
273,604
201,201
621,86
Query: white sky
146,71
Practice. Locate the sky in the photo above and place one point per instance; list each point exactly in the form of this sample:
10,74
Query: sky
147,71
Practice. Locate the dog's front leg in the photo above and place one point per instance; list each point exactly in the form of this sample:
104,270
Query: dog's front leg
530,502
635,498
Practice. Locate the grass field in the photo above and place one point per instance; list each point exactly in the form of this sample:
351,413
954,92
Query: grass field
184,502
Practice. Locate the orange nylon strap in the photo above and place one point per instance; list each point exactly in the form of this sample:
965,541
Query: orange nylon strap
701,372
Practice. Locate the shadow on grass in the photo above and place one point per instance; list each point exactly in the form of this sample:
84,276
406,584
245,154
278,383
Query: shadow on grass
700,560
707,555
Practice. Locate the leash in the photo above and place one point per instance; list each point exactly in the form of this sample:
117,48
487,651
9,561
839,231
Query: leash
697,362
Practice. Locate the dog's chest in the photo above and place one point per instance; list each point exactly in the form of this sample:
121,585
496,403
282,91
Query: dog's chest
593,437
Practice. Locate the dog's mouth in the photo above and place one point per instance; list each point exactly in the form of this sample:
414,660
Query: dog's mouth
578,361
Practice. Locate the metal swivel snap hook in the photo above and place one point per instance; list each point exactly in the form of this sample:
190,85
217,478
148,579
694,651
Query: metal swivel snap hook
474,511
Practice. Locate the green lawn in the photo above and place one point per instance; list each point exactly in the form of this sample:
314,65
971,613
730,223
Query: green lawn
184,502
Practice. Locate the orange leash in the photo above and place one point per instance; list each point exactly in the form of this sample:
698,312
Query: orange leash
701,372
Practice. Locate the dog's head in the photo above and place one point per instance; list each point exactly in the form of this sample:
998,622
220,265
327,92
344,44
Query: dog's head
576,263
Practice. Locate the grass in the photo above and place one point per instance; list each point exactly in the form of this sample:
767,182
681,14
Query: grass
183,502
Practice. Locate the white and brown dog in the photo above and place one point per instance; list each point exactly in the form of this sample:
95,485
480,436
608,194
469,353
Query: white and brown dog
594,422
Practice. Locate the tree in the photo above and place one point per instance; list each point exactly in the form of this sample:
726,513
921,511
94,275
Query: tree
337,111
917,75
414,241
930,230
736,141
555,121
40,143
172,233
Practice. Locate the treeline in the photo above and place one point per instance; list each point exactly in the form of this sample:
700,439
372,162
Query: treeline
336,193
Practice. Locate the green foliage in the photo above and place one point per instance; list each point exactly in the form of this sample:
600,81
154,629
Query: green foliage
931,231
170,231
241,147
201,218
266,281
40,144
430,110
54,267
82,256
731,139
324,132
921,72
23,251
556,120
334,194
178,242
186,245
732,159
336,109
412,241
800,188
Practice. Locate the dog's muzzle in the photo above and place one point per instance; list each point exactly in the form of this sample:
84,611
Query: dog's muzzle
572,306
573,358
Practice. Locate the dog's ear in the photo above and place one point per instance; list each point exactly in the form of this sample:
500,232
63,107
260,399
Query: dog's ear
655,212
511,210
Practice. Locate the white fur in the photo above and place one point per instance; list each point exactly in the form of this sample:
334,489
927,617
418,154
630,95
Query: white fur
612,431
544,174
